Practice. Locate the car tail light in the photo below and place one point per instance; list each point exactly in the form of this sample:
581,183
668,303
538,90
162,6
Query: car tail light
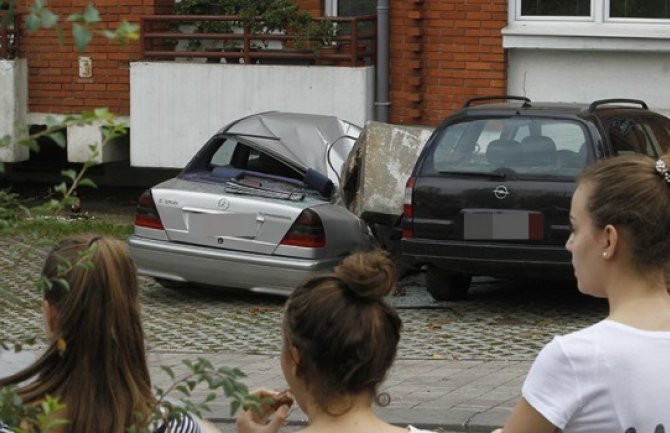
147,214
408,209
306,231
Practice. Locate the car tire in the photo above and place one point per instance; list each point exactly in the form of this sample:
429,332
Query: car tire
446,286
170,284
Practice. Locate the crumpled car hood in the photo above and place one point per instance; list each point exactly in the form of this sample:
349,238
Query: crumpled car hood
302,139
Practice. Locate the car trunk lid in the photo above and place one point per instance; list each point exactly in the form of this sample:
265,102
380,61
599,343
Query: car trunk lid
206,214
488,209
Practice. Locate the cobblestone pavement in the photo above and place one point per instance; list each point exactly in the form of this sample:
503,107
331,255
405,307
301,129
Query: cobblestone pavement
499,320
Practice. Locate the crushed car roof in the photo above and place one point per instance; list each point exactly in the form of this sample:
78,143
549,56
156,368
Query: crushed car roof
302,139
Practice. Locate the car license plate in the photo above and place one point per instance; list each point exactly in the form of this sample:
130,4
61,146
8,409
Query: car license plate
221,224
482,224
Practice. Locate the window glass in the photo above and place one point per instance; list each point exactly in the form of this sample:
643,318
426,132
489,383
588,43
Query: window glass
352,8
578,8
524,145
661,130
628,136
640,8
224,154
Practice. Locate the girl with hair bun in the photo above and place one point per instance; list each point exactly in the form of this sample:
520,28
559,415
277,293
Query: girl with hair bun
340,339
95,362
611,377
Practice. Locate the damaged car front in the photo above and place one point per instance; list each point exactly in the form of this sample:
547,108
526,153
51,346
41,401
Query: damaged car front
258,208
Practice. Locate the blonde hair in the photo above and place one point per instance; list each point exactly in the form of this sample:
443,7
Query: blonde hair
101,375
629,193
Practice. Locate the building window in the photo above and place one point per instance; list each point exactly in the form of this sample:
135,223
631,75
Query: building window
655,9
597,10
571,8
352,8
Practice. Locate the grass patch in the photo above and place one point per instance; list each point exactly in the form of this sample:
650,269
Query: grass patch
52,228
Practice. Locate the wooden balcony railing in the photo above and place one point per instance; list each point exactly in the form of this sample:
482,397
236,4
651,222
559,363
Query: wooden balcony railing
165,37
9,35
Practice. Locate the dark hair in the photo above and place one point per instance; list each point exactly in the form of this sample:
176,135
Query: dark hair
346,333
629,193
101,374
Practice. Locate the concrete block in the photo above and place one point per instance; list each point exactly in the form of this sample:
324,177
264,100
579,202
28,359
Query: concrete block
79,138
379,166
13,103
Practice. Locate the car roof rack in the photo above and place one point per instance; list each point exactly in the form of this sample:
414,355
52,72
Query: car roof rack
596,104
468,102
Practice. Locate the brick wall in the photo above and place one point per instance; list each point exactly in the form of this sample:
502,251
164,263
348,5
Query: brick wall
442,52
53,80
53,69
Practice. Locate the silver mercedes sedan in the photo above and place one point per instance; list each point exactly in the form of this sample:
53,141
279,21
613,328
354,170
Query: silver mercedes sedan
257,208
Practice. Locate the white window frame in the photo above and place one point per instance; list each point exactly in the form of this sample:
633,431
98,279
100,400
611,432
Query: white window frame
596,32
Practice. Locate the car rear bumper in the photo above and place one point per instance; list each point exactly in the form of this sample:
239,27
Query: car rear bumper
254,272
493,259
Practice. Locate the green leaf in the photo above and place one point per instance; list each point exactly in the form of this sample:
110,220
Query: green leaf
69,173
169,371
87,182
33,23
49,19
82,36
59,138
91,14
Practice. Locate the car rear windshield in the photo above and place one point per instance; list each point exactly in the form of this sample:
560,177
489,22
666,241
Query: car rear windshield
528,146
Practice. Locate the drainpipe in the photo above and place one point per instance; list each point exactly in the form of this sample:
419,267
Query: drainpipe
382,102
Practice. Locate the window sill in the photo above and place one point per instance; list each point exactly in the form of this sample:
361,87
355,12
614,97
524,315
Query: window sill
587,36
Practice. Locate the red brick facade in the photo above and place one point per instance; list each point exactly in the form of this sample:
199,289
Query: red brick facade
442,51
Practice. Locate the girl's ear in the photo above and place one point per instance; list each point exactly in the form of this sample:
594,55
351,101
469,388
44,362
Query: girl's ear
295,360
611,241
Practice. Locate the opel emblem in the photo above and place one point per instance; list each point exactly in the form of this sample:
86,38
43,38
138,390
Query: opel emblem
501,192
224,203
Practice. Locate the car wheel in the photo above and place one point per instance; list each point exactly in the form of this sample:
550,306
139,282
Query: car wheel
446,286
170,284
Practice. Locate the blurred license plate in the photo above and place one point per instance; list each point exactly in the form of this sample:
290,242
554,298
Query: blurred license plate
511,225
233,224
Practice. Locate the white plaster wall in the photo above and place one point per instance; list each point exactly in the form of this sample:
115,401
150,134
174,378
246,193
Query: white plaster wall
13,103
584,76
176,106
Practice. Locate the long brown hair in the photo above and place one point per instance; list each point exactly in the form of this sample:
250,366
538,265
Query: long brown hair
345,332
101,373
632,195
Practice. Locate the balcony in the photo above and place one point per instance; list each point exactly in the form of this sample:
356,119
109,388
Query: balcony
188,85
163,37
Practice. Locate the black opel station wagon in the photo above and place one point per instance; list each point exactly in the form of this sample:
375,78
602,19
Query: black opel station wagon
490,193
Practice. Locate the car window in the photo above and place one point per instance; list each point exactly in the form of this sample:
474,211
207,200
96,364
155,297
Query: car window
224,154
526,145
234,154
630,135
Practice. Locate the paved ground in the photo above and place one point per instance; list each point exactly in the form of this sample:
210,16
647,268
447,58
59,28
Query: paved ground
460,365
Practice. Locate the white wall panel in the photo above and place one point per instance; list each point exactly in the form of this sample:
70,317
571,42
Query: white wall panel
584,76
176,106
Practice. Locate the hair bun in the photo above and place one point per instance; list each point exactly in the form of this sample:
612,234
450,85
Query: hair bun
368,275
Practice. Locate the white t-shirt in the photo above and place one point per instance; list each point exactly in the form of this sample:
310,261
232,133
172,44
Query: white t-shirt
413,429
607,378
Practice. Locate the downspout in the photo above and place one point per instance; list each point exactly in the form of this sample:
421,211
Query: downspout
382,102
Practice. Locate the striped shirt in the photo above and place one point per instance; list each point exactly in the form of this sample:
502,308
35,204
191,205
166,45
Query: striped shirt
186,424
